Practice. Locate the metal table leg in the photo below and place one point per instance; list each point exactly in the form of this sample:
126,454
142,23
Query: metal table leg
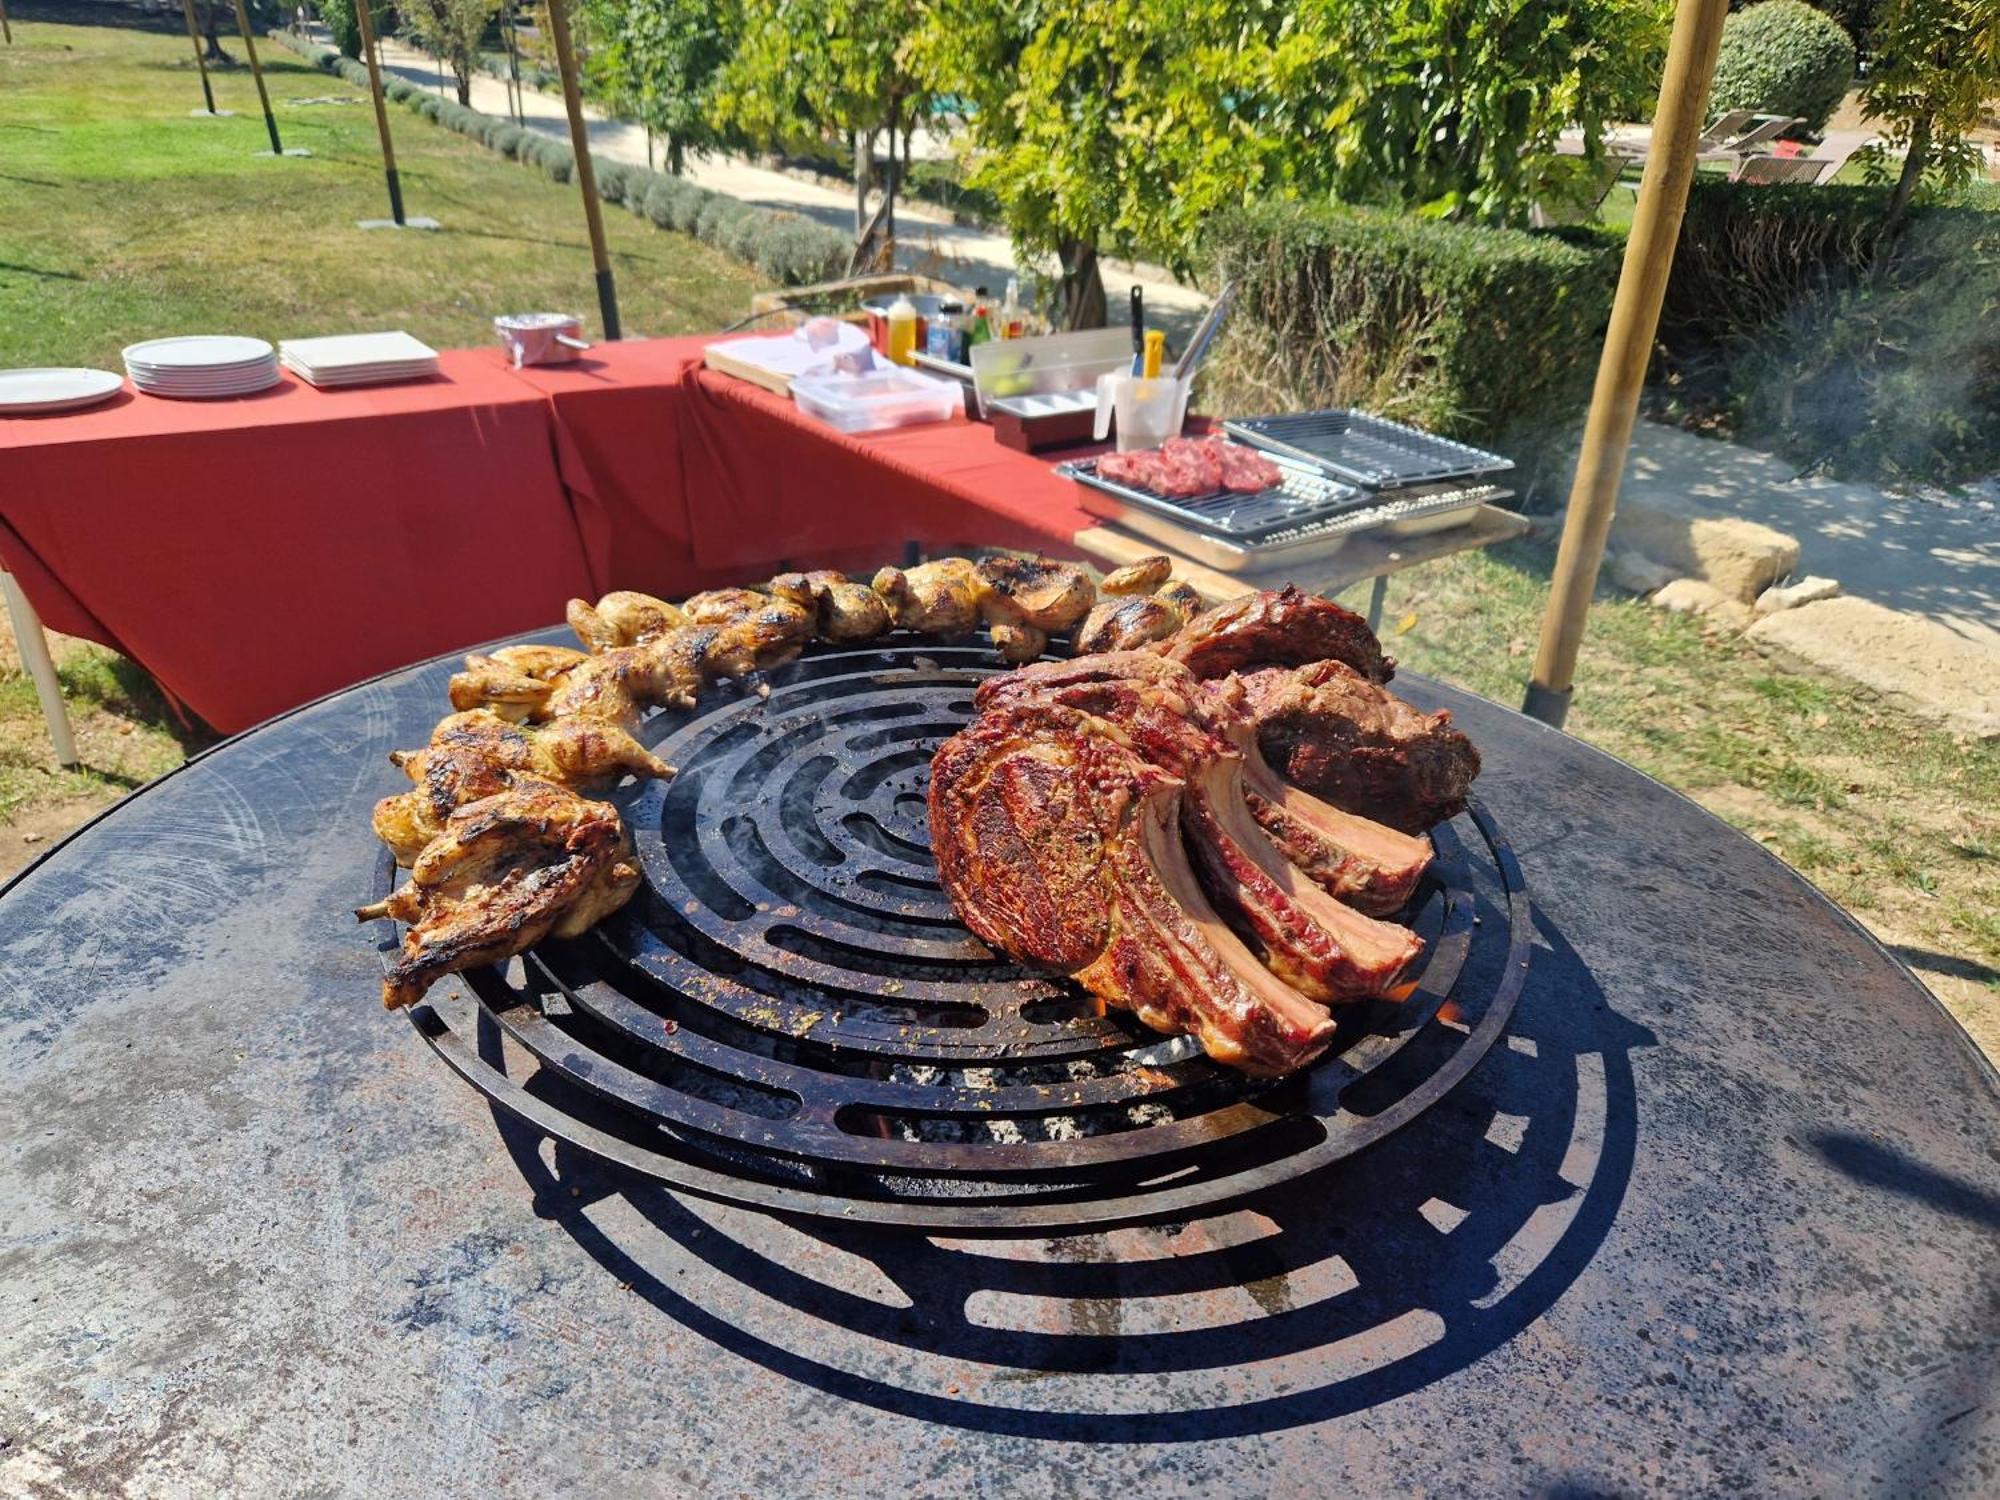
35,657
1378,590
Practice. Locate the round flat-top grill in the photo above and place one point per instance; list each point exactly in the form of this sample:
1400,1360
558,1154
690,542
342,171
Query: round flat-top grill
1714,1213
789,1015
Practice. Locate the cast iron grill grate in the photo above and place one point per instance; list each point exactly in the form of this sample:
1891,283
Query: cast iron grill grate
1366,449
789,1015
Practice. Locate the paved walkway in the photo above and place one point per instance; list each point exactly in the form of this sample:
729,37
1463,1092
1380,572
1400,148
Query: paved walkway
926,239
1934,557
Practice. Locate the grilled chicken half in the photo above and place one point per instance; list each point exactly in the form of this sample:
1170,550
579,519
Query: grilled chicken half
532,862
477,754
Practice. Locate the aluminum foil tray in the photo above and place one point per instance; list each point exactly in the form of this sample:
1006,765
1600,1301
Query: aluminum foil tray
1366,449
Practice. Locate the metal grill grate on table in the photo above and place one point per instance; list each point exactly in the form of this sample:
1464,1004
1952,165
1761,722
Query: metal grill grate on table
1366,449
789,1015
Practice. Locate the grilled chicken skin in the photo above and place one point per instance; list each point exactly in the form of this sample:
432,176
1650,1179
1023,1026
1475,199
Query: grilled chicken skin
476,754
532,862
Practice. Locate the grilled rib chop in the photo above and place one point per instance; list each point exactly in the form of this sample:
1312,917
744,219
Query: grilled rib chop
1322,948
1285,629
1373,868
1060,846
1333,732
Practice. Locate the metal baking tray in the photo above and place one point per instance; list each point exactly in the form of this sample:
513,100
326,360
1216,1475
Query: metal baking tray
1306,494
1366,449
1407,512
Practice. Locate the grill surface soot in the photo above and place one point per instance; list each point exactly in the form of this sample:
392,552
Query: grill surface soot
788,1015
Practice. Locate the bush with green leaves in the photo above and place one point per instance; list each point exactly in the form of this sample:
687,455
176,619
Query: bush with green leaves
794,251
1795,318
1489,335
688,205
1782,57
610,179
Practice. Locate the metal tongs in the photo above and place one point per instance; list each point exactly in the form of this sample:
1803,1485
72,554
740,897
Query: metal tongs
1204,336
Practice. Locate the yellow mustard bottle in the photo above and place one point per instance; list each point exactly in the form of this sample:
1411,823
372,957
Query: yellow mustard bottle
902,330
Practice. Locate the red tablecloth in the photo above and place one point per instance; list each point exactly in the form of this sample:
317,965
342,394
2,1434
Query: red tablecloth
254,553
766,483
617,424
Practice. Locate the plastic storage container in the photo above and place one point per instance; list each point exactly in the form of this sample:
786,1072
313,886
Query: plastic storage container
868,403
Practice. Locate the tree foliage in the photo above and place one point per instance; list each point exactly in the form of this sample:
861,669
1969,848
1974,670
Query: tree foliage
807,71
346,30
1783,57
1124,125
658,61
1935,64
452,30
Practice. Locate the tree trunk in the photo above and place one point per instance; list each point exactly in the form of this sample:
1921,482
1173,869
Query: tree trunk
1913,170
676,155
463,82
1082,285
649,149
895,180
213,50
864,177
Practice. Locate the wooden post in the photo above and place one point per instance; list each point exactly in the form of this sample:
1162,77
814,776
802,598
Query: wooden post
367,23
257,72
200,61
513,63
1628,346
6,27
586,176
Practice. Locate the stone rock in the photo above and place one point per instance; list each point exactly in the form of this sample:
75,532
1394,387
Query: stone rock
1692,596
1918,665
1741,558
1637,573
1792,595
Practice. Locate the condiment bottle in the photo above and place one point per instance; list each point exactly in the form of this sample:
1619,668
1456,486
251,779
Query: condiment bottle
945,338
1010,310
902,330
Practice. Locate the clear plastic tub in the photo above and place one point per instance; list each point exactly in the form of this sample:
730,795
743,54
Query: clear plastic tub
886,398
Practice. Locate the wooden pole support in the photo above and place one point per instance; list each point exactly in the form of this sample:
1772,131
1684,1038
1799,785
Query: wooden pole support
200,60
1628,346
6,26
33,642
586,175
257,72
367,24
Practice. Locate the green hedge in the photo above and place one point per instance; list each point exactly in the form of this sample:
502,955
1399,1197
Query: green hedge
1489,335
791,250
1783,57
1794,319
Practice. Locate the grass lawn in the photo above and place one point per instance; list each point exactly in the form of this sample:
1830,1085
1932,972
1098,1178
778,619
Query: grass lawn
120,217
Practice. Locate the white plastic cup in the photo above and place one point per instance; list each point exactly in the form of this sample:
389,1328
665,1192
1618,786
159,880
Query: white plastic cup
1148,411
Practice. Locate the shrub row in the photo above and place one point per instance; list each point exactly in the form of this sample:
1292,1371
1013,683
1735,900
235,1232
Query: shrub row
1793,316
1488,335
785,247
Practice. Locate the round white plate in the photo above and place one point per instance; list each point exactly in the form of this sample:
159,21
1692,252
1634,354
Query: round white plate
201,351
196,382
246,387
25,392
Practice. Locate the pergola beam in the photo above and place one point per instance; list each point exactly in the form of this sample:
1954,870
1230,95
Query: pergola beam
1628,347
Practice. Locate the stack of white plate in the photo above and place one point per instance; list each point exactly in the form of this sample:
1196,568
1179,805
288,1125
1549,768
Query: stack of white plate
359,358
203,365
